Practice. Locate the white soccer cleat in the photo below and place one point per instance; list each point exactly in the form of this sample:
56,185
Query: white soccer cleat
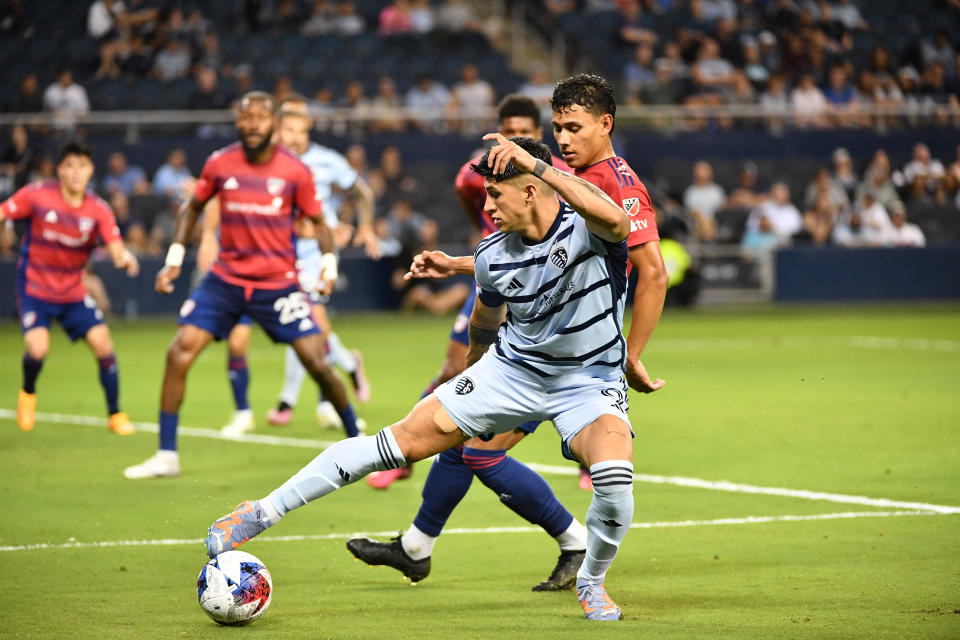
162,464
327,416
242,422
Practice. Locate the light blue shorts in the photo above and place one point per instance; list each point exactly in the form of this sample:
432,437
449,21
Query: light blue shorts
493,396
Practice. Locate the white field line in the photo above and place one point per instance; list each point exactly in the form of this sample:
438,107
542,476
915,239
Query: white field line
483,531
679,481
853,342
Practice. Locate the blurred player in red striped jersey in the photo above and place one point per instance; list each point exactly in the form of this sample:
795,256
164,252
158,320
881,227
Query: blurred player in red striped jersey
263,189
65,221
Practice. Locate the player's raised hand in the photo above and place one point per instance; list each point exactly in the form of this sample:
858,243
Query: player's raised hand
430,264
129,263
639,380
506,152
166,277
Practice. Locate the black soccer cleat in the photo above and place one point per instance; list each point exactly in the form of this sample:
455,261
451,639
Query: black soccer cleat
565,573
391,554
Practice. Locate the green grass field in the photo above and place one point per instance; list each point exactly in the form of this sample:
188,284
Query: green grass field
851,401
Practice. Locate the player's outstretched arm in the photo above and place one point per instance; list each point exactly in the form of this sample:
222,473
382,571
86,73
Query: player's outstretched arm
209,245
438,265
484,325
363,197
123,258
647,306
603,217
183,227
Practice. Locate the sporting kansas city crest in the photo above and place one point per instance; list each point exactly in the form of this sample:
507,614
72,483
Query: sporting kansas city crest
464,386
631,206
558,257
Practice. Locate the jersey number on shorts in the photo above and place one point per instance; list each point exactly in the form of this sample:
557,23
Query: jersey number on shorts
292,307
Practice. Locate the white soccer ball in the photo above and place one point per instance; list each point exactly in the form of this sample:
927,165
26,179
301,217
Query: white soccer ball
234,588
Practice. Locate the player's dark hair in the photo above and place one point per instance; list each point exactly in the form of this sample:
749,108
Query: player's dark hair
74,148
535,148
519,106
590,91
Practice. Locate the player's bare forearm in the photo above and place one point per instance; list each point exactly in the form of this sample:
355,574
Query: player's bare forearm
484,326
604,218
647,307
122,258
364,200
211,218
438,265
186,219
324,235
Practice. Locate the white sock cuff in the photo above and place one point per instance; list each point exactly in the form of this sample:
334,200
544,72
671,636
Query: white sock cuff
610,476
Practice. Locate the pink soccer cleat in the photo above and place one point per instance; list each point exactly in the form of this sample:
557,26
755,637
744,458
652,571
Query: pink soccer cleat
280,415
383,479
361,386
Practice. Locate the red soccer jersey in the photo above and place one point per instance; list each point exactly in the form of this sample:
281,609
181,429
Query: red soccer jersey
615,177
469,185
257,213
58,241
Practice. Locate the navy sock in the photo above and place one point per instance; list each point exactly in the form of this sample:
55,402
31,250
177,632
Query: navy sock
349,419
447,483
31,369
520,488
239,380
168,430
110,382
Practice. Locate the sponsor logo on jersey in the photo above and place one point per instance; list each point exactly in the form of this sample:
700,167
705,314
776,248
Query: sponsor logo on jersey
275,186
558,257
187,308
29,318
638,225
231,184
51,216
464,386
631,206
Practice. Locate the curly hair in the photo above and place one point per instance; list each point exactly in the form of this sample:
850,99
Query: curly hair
535,148
592,92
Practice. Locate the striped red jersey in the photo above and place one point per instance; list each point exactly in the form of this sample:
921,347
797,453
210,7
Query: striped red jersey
258,203
469,185
615,177
58,240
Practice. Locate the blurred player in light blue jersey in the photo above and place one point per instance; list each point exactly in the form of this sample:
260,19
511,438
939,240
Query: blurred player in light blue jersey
317,273
545,344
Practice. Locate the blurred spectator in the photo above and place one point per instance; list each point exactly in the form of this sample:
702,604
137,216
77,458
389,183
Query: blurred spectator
784,218
847,14
385,107
923,172
357,102
635,27
242,78
427,101
136,239
559,7
347,22
878,182
13,21
421,16
808,103
702,198
322,19
321,109
207,92
874,215
103,20
711,73
639,72
66,99
472,97
172,175
282,88
818,223
824,185
938,49
396,18
456,15
902,233
124,178
775,101
28,98
840,96
714,10
44,169
396,184
663,90
745,194
121,211
172,62
761,239
134,57
753,67
843,173
16,161
210,55
538,86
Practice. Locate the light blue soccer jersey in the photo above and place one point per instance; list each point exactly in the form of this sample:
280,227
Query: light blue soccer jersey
329,168
565,298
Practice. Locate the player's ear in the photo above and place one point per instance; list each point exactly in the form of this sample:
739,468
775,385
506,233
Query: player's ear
529,193
606,121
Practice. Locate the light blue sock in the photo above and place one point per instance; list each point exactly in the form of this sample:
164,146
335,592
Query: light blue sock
608,518
341,464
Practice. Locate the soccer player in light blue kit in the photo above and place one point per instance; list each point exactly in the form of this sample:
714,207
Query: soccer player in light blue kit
316,271
545,344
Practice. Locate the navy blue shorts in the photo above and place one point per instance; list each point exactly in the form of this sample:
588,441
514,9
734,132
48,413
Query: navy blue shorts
76,318
217,306
461,326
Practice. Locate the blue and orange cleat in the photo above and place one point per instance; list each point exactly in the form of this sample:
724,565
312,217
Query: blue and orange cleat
26,410
247,520
596,604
